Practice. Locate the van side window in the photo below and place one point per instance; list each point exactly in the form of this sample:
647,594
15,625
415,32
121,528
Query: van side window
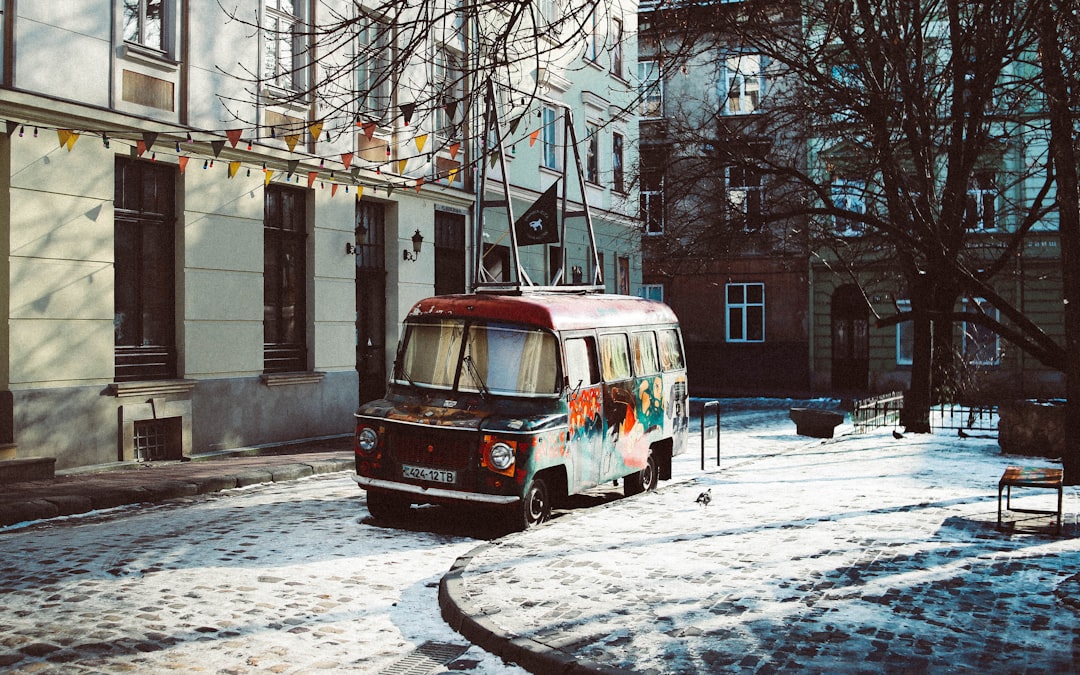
644,350
614,357
581,367
671,356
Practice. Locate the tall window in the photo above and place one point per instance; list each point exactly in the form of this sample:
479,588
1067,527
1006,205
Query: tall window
284,44
449,253
617,162
744,197
617,48
284,279
981,344
981,201
145,232
144,23
450,79
652,89
373,67
849,197
742,83
746,312
905,336
623,264
592,36
592,155
550,138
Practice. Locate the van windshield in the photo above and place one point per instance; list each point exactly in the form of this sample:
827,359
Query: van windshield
484,357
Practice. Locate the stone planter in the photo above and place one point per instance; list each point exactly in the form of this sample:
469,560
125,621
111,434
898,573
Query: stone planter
815,422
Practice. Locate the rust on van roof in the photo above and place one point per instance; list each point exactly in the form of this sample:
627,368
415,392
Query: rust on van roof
556,311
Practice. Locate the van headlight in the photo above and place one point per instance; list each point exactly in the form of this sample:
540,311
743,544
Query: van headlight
367,440
501,456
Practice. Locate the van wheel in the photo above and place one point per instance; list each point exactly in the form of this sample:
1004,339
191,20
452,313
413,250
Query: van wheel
644,480
535,506
387,506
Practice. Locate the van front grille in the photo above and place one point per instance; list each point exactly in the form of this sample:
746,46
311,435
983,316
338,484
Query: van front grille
433,447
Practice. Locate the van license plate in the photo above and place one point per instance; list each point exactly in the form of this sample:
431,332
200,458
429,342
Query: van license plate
428,473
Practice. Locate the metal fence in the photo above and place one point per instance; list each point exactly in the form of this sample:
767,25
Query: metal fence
884,411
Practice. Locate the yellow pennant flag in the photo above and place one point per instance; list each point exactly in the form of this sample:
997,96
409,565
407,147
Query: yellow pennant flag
71,140
359,192
233,168
63,135
402,163
421,140
291,140
451,175
316,130
269,174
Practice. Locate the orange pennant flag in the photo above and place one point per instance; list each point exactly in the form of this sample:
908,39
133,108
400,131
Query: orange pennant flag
333,189
233,168
234,136
533,136
291,140
269,174
419,183
421,140
369,129
183,163
140,146
311,176
454,147
402,163
316,130
346,159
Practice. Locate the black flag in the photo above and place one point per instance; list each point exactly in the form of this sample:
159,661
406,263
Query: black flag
540,223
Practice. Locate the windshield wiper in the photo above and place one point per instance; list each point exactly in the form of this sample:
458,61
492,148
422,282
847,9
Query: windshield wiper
475,373
400,370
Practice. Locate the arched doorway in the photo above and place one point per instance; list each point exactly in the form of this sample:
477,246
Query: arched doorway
850,339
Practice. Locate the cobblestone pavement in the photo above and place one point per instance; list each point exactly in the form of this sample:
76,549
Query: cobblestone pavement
848,556
287,577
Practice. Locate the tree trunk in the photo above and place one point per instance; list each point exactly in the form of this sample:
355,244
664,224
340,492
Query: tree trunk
915,417
1068,193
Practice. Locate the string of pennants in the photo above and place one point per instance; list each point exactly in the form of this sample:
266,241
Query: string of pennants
148,140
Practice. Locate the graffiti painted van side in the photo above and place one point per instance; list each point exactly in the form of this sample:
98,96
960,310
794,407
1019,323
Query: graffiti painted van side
516,401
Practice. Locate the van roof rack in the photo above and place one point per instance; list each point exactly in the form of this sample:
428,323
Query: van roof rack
518,289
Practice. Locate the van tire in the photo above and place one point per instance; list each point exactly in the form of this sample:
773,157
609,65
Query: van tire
387,507
535,505
644,480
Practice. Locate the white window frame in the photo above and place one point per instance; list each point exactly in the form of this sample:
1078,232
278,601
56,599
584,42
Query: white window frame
592,36
905,331
142,38
283,32
592,154
549,138
618,165
448,73
745,308
618,65
848,195
971,332
744,73
741,194
374,62
651,90
981,208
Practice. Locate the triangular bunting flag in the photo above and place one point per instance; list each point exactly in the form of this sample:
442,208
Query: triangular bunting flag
269,174
421,140
454,147
451,110
149,138
359,192
293,163
540,224
72,137
514,125
311,176
316,130
419,184
402,163
183,163
451,175
407,112
234,136
333,189
346,159
389,190
533,136
63,135
369,129
11,127
140,147
494,158
233,168
291,140
217,147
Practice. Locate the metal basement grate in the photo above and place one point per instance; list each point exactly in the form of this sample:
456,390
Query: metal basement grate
158,439
426,658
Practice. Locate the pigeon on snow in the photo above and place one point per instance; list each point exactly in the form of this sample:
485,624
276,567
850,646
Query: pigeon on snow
897,434
704,498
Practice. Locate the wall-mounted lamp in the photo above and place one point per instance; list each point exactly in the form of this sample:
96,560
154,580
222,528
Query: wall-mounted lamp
417,239
350,249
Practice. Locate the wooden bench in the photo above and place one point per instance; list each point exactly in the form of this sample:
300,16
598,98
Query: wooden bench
1026,476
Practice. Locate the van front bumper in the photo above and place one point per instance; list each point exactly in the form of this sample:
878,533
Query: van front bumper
432,492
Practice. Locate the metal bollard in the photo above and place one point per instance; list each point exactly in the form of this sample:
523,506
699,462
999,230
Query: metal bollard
708,433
